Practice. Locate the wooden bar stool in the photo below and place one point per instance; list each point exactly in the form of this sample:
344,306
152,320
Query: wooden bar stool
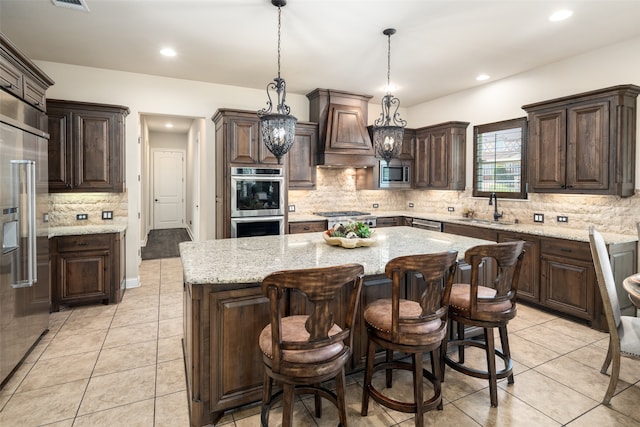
408,326
487,308
302,351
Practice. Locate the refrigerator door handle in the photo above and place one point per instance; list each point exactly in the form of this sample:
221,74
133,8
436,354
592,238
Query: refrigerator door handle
29,167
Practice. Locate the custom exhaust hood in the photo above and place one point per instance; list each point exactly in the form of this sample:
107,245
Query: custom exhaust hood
343,138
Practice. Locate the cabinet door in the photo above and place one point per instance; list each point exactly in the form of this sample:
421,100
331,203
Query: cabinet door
567,285
302,158
95,157
438,160
244,140
529,282
236,367
83,276
547,150
421,173
588,146
59,148
408,145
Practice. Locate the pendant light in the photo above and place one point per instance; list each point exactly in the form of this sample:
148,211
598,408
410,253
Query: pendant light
278,128
388,129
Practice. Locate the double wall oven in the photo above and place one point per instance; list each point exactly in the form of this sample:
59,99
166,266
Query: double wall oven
257,201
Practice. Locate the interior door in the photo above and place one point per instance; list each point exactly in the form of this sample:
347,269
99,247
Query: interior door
168,189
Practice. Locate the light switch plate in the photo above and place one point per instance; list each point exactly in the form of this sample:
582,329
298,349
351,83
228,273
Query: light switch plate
410,204
451,209
107,215
82,217
376,206
292,208
538,217
563,218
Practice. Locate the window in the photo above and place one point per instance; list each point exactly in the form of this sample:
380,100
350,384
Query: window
499,159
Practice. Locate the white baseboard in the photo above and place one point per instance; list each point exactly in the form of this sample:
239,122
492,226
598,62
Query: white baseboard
133,283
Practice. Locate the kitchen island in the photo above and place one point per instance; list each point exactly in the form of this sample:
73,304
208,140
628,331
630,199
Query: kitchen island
224,309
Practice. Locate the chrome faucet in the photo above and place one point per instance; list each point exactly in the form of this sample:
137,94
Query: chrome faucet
496,215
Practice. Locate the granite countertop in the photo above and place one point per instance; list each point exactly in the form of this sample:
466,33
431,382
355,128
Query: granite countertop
577,234
74,230
250,259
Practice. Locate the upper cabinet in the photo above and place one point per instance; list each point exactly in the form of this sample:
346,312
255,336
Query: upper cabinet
302,157
21,78
239,132
86,147
584,143
440,156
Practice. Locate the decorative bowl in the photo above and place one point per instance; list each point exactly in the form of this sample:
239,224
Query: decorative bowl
349,243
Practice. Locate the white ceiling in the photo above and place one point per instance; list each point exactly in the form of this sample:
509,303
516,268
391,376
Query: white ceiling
439,48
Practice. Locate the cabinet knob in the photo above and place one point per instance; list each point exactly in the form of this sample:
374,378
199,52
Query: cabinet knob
9,86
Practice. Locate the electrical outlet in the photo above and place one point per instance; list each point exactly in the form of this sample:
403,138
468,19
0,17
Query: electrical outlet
292,208
563,218
82,217
410,204
45,217
107,215
537,217
451,209
376,206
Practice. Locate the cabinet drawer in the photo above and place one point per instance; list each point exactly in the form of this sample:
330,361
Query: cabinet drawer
83,243
34,94
307,227
566,248
10,78
389,221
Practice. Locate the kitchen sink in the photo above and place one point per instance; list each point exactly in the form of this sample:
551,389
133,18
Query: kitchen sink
485,221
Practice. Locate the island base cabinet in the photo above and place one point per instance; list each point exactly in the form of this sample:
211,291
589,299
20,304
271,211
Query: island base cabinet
221,338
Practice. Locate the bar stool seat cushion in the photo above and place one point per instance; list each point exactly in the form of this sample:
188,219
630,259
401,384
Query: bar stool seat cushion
378,316
293,330
460,299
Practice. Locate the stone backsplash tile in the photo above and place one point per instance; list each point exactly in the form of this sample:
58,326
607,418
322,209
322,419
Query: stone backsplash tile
63,207
336,190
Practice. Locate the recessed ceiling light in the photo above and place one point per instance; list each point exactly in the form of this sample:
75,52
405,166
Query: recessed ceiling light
560,15
168,125
483,77
167,51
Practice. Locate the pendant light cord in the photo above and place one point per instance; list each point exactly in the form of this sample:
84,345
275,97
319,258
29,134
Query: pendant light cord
389,65
279,25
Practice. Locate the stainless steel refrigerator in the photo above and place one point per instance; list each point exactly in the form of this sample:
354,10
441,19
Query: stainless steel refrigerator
24,265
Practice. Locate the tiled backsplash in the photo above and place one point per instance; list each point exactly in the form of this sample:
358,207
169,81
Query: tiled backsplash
336,190
63,208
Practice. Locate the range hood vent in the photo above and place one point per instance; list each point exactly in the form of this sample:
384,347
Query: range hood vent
72,4
344,140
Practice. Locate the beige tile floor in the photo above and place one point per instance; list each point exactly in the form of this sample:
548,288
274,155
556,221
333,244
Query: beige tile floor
121,365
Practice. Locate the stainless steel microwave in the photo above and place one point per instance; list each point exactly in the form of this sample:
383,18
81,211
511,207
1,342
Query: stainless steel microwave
394,175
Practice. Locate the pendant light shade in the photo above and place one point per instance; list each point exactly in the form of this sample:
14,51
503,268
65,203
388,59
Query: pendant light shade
277,128
388,129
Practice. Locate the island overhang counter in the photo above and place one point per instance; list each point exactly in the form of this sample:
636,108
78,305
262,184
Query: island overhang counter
224,309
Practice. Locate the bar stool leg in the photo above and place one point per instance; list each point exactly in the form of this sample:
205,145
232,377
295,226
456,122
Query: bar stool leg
287,405
504,339
389,372
368,375
491,364
340,392
417,387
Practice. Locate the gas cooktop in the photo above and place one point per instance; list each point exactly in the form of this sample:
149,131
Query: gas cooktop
341,213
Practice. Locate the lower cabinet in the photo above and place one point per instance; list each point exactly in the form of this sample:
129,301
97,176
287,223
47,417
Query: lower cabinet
87,269
307,227
529,282
567,277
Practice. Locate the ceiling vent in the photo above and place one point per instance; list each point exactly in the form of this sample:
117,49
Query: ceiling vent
72,4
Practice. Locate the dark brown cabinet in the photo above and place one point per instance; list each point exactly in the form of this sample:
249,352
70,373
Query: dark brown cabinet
20,77
86,147
307,227
529,282
567,277
302,157
584,143
239,132
87,268
440,156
